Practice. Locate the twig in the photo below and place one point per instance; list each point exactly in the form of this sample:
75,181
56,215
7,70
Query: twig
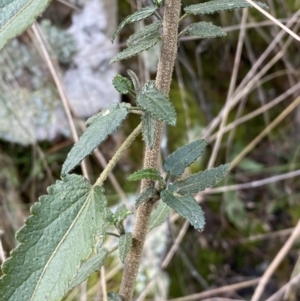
103,284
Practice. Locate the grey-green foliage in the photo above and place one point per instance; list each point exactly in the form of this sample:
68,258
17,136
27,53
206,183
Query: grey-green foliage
145,195
125,242
51,246
199,181
102,125
205,30
186,206
148,173
122,84
121,213
149,129
156,103
112,296
137,16
17,15
183,157
135,81
215,6
159,215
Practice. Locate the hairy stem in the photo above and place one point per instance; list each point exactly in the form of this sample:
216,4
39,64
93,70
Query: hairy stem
151,157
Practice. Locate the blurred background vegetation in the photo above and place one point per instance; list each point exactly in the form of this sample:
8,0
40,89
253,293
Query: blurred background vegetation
253,211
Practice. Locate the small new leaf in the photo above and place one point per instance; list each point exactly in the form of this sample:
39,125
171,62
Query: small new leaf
156,103
135,81
183,157
102,125
216,6
159,215
122,84
121,213
112,296
51,249
149,129
125,243
17,15
137,16
186,206
148,174
88,267
205,30
146,195
134,50
199,181
149,32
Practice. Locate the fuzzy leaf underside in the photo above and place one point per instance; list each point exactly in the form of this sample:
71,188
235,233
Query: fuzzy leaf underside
88,267
216,6
183,157
156,103
145,196
121,213
102,125
199,181
149,129
112,296
122,84
149,32
125,243
17,15
137,16
135,81
148,174
134,50
51,248
205,30
159,215
187,207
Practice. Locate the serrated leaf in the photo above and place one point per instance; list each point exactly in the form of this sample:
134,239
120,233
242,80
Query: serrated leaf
17,15
200,181
112,296
135,81
149,32
183,157
51,248
186,206
148,174
125,243
149,124
134,50
215,6
102,125
88,267
122,84
159,215
110,218
137,16
205,30
121,213
156,103
145,196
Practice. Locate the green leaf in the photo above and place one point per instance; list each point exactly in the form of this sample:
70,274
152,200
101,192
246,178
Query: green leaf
137,16
156,103
205,30
199,181
110,218
149,124
102,125
112,296
125,243
17,15
149,32
88,267
121,213
187,207
146,195
159,215
216,6
135,81
148,173
51,246
134,50
184,157
122,84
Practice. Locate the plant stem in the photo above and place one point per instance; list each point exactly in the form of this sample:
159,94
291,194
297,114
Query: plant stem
117,155
151,157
